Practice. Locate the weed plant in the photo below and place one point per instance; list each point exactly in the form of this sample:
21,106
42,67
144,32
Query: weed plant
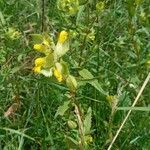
109,56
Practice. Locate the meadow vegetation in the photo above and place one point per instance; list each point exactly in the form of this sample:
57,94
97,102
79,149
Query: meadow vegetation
70,70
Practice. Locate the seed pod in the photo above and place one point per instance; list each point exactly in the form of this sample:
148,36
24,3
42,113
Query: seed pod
71,83
71,124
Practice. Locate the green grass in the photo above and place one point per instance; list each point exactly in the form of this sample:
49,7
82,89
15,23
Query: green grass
116,58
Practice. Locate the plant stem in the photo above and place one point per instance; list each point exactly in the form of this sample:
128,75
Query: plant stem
80,124
43,15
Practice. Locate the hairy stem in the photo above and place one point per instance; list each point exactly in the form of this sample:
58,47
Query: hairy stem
80,124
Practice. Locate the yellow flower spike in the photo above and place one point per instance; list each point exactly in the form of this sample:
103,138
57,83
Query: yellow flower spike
58,75
63,37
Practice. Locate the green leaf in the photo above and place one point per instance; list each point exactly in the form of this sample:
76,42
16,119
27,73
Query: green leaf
72,143
21,133
87,121
138,2
82,2
134,108
88,76
80,14
47,38
131,7
62,109
37,38
2,18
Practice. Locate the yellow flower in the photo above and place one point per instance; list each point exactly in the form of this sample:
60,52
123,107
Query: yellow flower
42,47
100,6
63,37
13,33
16,34
72,10
110,98
37,69
58,74
39,62
88,139
148,62
113,101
